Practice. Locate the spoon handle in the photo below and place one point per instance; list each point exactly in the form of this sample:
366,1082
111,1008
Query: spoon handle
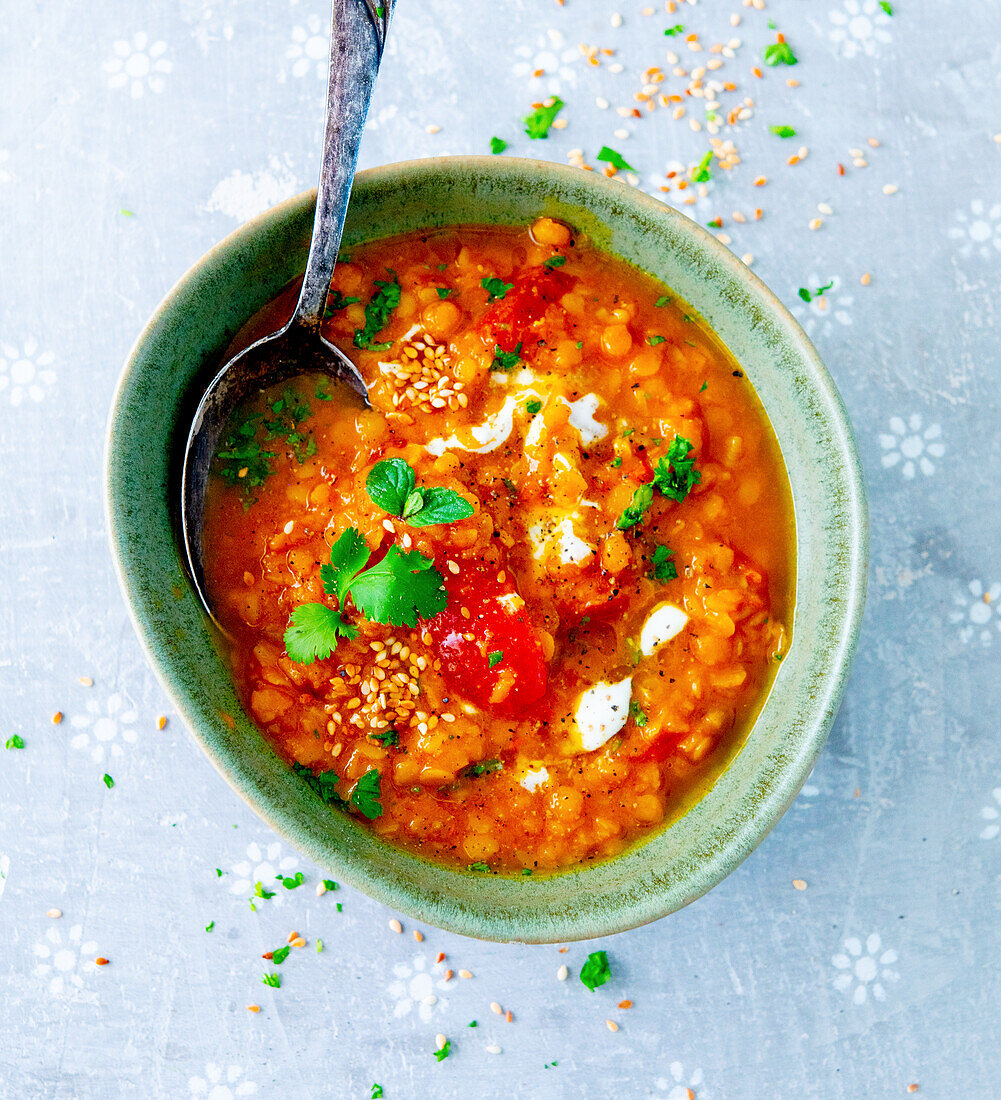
357,39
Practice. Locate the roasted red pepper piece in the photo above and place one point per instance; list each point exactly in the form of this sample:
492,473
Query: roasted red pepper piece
509,320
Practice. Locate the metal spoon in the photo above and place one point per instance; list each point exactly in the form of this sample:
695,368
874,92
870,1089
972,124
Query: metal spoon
357,40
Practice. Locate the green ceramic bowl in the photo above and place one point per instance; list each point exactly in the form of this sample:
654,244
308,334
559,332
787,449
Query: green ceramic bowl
180,349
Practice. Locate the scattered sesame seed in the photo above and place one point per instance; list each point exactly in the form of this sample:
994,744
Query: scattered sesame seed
866,279
890,188
465,974
57,717
816,223
616,19
825,208
440,1041
913,1087
86,681
441,957
253,1008
509,1016
320,889
611,1025
621,133
101,961
493,1049
432,129
799,884
395,926
874,142
561,974
625,1004
161,722
601,103
496,1008
747,259
430,1000
55,914
564,950
418,935
996,139
447,976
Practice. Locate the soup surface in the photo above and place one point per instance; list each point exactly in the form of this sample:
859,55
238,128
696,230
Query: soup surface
523,610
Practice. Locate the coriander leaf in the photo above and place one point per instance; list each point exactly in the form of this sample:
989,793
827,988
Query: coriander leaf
388,738
497,145
664,300
365,796
805,294
538,122
329,884
313,632
319,945
108,781
637,714
506,360
637,508
14,742
484,767
533,407
390,484
260,892
886,6
279,956
702,173
677,29
596,970
324,783
398,589
442,1054
527,871
443,291
780,53
479,866
819,292
496,288
653,341
616,160
704,386
210,926
377,1092
348,557
783,131
675,474
336,302
554,261
380,306
663,568
617,461
274,980
293,883
440,505
495,658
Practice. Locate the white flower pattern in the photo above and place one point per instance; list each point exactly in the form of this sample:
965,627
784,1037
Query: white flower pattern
864,969
64,963
309,50
244,195
910,446
221,1083
681,1085
991,813
415,987
859,28
208,24
978,230
138,65
553,58
977,612
263,865
25,371
104,726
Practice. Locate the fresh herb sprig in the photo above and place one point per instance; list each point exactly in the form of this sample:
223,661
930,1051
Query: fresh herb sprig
674,476
392,484
382,303
538,123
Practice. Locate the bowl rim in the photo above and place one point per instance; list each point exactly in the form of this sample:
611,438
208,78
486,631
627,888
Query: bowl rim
715,865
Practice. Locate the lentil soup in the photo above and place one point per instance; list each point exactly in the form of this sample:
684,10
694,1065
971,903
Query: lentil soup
525,608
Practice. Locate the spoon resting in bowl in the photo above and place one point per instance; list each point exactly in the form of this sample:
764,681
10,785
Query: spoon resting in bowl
357,41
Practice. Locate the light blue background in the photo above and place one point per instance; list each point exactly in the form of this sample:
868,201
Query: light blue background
884,971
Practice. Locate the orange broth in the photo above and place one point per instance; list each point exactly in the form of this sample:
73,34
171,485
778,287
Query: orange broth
546,405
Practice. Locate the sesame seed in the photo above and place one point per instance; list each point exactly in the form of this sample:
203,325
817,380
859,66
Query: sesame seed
395,926
418,935
432,129
825,208
161,722
616,19
101,961
561,974
625,1004
890,188
57,717
320,889
496,1008
799,884
253,1008
465,974
493,1049
54,914
866,279
441,957
447,976
86,681
816,223
611,1025
439,1041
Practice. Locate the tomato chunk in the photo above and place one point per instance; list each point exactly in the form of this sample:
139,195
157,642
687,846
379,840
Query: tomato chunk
509,320
494,657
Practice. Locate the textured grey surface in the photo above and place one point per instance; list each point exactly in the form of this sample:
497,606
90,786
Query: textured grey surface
884,970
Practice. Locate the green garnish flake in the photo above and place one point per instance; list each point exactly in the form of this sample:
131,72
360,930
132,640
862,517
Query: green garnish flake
653,341
527,871
496,288
443,291
533,407
279,956
637,714
808,296
497,145
336,302
554,261
210,926
663,300
886,6
131,213
702,173
292,883
392,484
479,866
323,784
108,781
537,124
595,970
273,980
616,160
339,907
472,1023
675,474
319,946
672,32
14,742
506,360
782,131
377,1092
704,386
329,884
484,767
495,658
637,508
382,303
442,1054
365,796
780,53
617,461
663,568
389,739
218,872
260,892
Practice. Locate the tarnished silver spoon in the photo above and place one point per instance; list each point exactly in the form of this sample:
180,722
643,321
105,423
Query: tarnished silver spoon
357,40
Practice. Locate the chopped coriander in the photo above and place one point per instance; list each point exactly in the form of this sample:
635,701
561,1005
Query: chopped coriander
260,892
479,866
653,341
210,926
554,261
389,738
704,386
702,173
339,907
537,124
319,946
444,291
279,956
783,131
131,213
673,32
218,873
365,796
506,360
336,302
510,486
663,568
392,485
497,145
495,658
324,784
329,884
533,407
273,980
108,781
580,344
320,393
616,160
663,300
617,461
637,714
596,970
780,53
472,1023
637,508
442,1054
527,871
886,6
293,883
380,306
496,288
14,742
377,1092
484,767
675,474
807,296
